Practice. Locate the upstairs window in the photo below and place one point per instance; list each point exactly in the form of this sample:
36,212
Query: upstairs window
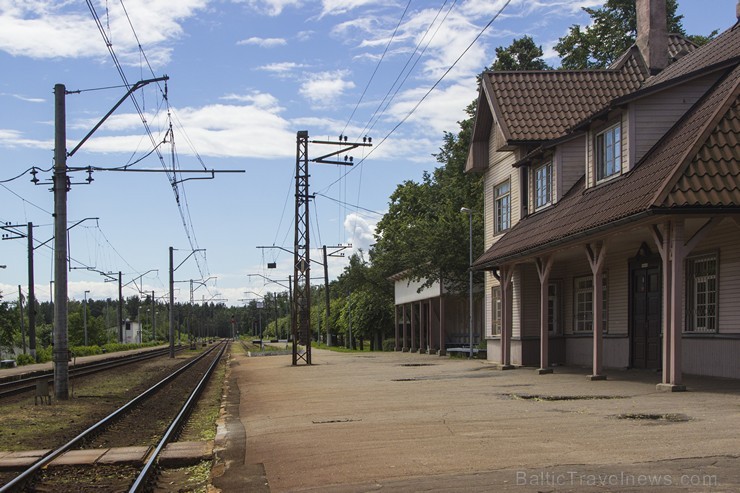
608,153
502,206
543,185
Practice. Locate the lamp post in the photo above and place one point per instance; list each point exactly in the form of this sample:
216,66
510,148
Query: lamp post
470,274
84,315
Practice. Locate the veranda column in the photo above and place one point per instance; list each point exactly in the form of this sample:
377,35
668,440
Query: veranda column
544,266
422,330
596,253
662,239
507,312
396,347
442,346
405,347
414,348
677,270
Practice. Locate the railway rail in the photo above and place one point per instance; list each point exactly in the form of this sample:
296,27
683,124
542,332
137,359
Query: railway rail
27,384
179,393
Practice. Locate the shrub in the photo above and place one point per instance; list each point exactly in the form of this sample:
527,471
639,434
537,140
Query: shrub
43,354
389,344
78,351
24,359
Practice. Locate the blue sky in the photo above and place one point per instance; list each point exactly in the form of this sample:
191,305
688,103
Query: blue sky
245,76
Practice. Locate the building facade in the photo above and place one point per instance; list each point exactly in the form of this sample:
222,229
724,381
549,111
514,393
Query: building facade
612,209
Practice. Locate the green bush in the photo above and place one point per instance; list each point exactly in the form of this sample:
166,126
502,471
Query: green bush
389,344
24,359
43,354
78,351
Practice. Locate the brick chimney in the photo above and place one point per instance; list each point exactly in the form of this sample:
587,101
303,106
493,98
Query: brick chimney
652,33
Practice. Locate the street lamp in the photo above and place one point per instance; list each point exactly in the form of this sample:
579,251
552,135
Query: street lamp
84,315
470,273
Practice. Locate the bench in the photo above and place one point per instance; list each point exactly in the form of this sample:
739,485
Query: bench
7,363
466,351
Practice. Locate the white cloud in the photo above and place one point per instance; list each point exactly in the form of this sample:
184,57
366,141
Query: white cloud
337,7
360,232
52,29
253,129
25,98
263,42
324,88
281,68
14,138
270,7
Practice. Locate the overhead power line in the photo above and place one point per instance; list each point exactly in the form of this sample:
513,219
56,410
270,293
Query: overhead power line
421,100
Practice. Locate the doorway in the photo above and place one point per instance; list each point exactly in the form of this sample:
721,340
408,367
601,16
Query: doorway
646,297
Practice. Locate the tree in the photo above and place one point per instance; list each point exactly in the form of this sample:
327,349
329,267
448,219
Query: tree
612,31
424,232
522,54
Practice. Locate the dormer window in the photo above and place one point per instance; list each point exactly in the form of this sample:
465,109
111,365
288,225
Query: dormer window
608,153
543,185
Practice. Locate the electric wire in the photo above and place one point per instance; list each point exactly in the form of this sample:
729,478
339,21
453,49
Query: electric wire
416,106
348,204
173,180
370,124
377,66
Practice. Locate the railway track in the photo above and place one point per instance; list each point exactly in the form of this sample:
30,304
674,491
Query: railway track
150,420
28,384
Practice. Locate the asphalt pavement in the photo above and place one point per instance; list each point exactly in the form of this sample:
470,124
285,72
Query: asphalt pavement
412,422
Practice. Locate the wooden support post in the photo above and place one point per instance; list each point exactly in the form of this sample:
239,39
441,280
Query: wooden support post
507,312
396,347
442,347
596,254
544,266
414,348
405,346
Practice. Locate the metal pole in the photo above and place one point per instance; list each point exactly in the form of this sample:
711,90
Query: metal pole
172,306
60,338
31,297
470,278
154,333
84,316
120,309
326,287
20,313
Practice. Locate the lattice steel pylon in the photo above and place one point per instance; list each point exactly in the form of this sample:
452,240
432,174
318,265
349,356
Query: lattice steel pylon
301,257
301,318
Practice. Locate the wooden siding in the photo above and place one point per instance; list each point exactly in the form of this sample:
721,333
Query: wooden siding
499,170
530,301
516,322
723,241
489,282
712,357
654,115
571,164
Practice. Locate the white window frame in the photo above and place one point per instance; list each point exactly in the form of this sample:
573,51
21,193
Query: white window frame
542,185
606,165
502,207
496,310
583,309
702,293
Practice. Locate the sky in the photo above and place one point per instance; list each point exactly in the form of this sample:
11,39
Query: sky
244,77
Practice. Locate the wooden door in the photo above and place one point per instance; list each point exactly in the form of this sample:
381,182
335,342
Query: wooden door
645,316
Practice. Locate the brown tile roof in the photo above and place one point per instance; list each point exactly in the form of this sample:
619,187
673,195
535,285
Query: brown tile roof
713,175
724,48
543,105
641,191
